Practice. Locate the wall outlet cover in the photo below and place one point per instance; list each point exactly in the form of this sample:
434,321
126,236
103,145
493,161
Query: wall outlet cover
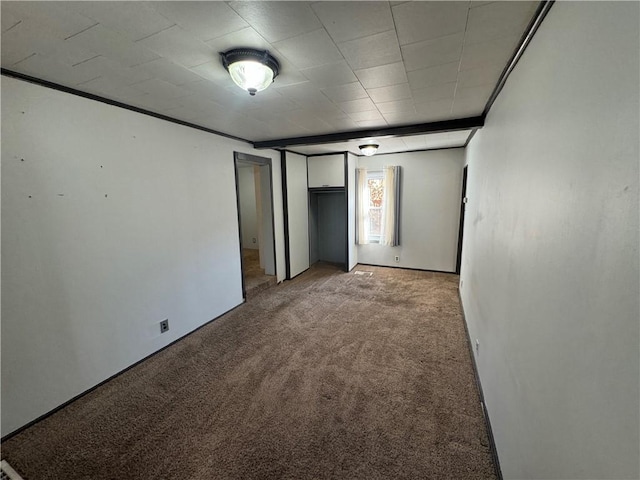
164,326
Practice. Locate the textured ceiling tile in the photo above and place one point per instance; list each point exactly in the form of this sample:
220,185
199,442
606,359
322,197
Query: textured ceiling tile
485,53
372,123
273,102
418,21
306,119
70,54
107,87
498,19
481,92
366,115
309,50
390,93
372,51
112,45
361,105
344,124
401,118
437,108
433,52
104,67
277,21
331,74
382,76
213,71
135,20
343,93
247,37
56,17
169,71
9,20
479,3
215,93
179,46
205,20
396,106
433,76
429,117
327,111
289,77
161,88
467,105
303,93
447,140
47,69
435,92
350,20
25,39
415,142
486,74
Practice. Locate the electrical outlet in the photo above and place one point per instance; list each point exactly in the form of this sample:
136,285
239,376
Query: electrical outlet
477,347
164,326
254,240
397,258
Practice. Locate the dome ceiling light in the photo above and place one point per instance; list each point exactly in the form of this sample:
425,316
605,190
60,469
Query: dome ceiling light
369,149
252,70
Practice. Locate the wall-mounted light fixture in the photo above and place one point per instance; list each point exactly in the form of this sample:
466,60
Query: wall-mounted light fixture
252,70
368,149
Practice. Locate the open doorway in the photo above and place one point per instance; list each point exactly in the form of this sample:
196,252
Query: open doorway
255,222
463,205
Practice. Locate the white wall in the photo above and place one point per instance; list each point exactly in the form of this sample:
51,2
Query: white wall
298,214
248,211
430,210
113,222
550,261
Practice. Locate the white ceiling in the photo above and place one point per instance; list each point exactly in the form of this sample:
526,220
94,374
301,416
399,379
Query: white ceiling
344,65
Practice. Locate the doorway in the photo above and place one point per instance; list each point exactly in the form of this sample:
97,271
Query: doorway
463,204
254,195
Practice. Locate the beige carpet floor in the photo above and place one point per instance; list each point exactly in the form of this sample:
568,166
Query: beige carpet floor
255,279
330,376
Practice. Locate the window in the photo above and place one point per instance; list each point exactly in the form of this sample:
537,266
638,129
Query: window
375,194
378,206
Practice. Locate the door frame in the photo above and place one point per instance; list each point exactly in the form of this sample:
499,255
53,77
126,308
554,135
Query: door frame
258,161
463,204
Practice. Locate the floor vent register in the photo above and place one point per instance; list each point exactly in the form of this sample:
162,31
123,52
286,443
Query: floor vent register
360,272
8,473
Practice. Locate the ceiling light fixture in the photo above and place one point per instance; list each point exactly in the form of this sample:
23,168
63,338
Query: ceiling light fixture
368,149
252,70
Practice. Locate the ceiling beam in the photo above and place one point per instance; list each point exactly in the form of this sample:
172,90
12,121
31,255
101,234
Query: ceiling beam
417,129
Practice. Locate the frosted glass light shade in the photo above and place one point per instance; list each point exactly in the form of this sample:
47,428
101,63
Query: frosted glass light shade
369,149
251,76
252,70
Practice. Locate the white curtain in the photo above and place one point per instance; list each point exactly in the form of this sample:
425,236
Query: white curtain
390,207
362,207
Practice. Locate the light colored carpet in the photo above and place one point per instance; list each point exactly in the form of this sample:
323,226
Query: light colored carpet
329,376
255,279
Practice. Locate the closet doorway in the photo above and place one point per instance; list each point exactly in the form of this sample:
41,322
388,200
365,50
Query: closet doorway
254,195
327,226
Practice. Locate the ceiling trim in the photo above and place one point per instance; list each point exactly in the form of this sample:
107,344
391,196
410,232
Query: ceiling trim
115,103
530,31
416,129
